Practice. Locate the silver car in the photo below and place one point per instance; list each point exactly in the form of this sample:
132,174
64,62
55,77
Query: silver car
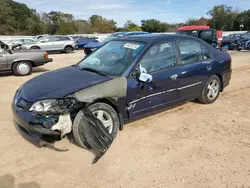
21,62
54,43
20,41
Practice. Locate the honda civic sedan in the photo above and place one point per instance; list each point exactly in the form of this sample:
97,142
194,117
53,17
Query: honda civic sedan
125,79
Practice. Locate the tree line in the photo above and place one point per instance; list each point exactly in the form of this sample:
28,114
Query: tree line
18,19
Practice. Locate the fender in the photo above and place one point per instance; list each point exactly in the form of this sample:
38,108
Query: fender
112,92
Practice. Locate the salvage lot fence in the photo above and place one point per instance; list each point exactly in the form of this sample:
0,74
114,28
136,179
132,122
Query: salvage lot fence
100,36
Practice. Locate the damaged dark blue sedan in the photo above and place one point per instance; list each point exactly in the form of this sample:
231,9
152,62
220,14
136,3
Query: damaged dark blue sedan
121,81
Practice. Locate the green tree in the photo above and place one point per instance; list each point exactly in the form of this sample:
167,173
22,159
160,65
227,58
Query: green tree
192,21
7,20
242,19
222,17
101,25
131,26
82,26
154,25
21,13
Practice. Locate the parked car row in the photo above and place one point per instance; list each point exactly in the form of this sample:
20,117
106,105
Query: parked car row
92,46
21,55
21,62
49,43
237,41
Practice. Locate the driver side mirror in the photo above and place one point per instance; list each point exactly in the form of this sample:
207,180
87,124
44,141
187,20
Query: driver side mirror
146,78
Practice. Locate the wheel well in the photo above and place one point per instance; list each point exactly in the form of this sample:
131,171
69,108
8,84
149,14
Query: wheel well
31,62
69,46
35,46
221,81
112,104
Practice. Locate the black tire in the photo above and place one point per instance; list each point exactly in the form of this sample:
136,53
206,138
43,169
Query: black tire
35,48
16,68
87,51
204,96
79,138
238,49
68,49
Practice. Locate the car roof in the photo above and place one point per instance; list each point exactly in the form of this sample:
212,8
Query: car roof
130,32
152,38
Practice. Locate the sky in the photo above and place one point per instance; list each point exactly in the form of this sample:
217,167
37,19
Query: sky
170,11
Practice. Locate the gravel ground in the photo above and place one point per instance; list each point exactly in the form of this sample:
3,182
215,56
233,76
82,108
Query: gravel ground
192,145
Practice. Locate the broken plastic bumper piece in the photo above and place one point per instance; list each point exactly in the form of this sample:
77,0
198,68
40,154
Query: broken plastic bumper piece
96,135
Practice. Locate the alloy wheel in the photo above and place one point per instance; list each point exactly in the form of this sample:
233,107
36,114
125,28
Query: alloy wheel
105,118
213,89
23,68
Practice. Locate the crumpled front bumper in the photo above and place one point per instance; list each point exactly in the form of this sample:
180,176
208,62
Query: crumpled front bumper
34,133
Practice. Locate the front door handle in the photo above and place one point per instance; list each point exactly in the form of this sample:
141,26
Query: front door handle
174,77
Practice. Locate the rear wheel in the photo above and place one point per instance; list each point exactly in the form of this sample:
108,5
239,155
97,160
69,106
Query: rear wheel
211,91
22,68
68,49
105,113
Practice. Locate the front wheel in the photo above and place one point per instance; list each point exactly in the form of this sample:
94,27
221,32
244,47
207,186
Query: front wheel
22,68
68,49
87,51
211,91
105,113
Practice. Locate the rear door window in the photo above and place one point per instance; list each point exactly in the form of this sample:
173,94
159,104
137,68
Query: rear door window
190,51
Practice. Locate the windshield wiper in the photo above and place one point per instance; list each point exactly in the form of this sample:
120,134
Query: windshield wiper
94,70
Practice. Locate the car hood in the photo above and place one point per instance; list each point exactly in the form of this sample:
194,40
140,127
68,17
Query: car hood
59,83
94,45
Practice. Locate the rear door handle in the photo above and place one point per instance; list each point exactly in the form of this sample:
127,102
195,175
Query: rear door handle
174,77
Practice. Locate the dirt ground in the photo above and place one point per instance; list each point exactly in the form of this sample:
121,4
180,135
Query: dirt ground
192,145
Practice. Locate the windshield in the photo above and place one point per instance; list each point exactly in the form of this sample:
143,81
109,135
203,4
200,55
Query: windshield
114,58
113,36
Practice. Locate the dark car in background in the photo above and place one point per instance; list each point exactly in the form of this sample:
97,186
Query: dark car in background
92,46
125,79
82,41
203,32
234,41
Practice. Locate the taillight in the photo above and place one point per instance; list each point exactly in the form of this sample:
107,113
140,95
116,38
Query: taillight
45,56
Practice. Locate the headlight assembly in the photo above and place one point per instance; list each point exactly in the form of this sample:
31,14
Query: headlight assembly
54,106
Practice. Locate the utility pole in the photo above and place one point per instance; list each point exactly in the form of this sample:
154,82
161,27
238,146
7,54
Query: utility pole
241,25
